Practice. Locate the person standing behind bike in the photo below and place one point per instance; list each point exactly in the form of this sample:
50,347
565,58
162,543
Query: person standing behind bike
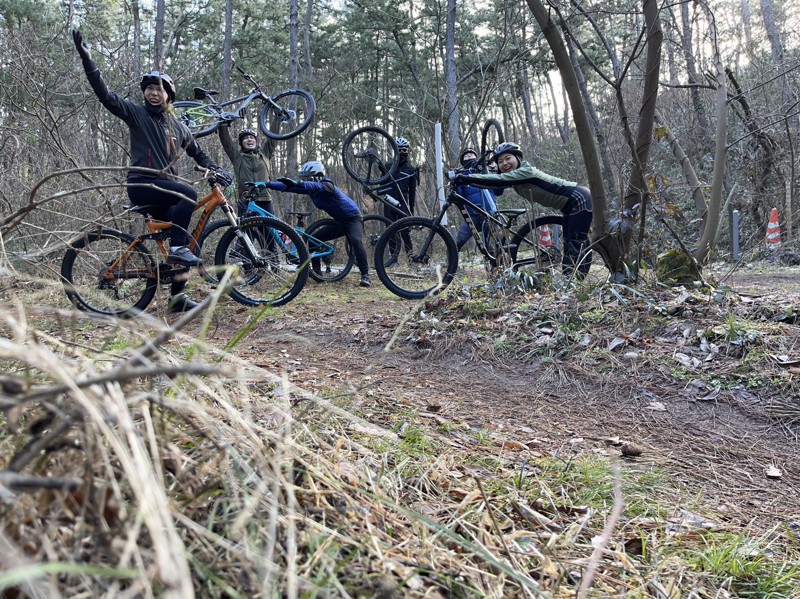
341,208
156,142
250,165
402,187
485,198
573,200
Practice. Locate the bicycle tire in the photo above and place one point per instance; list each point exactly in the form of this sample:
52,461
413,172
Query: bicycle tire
491,136
92,287
294,112
275,276
201,118
207,249
531,251
370,155
416,275
335,266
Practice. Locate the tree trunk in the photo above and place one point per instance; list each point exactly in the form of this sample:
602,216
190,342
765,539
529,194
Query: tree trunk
227,63
450,77
159,41
136,65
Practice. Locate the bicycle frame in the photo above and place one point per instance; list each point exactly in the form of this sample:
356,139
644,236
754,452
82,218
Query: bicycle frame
320,249
242,101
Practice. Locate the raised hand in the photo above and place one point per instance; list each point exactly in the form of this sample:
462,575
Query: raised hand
81,46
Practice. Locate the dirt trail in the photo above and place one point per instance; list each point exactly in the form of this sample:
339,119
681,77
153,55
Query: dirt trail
333,339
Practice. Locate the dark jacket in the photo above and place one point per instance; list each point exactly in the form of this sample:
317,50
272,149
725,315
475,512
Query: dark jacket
156,137
485,198
247,166
325,195
403,185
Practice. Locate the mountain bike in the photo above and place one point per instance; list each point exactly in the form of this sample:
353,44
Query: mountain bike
114,273
434,260
282,116
331,260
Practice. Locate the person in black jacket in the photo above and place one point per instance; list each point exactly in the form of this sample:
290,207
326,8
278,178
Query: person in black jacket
157,139
402,187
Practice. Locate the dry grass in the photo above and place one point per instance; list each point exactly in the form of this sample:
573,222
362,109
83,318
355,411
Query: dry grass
140,460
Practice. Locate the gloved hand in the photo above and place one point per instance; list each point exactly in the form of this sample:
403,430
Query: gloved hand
221,176
81,46
289,182
454,176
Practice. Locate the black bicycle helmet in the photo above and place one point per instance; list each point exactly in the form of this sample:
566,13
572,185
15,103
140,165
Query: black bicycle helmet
507,147
245,132
162,79
464,152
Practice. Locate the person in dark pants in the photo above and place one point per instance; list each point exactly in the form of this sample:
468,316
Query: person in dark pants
157,140
341,208
485,198
402,187
573,200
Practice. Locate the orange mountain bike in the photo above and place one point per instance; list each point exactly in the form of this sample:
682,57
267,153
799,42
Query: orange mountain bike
113,273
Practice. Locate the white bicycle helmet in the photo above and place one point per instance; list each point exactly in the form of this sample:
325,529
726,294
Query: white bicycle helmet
403,144
312,169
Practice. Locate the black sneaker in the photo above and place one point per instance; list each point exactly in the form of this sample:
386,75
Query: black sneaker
364,282
182,255
181,303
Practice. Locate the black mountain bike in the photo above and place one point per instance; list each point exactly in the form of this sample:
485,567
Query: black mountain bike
283,116
431,265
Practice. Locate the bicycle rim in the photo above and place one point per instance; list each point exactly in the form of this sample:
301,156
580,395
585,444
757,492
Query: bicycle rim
329,266
370,155
287,115
427,267
274,276
208,243
101,274
539,246
200,118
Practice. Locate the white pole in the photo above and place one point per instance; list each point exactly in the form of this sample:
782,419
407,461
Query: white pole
437,131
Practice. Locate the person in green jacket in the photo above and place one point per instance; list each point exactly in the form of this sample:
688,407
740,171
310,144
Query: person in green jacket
573,200
250,165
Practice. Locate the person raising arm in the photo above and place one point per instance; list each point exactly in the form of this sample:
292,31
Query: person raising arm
156,140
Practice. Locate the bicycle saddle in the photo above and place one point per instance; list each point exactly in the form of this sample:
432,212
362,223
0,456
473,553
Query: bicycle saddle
513,211
200,93
138,209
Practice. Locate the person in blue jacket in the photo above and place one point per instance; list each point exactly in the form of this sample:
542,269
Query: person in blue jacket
485,198
326,196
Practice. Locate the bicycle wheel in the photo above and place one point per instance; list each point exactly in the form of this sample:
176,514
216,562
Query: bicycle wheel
208,243
427,268
539,245
109,272
491,135
287,114
375,225
328,266
370,155
201,118
274,276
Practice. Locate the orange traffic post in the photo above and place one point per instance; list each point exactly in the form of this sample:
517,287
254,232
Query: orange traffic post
773,239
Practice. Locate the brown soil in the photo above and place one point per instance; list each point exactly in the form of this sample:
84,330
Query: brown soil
337,339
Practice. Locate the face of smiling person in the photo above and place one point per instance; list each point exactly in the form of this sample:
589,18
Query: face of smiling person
249,142
155,94
507,162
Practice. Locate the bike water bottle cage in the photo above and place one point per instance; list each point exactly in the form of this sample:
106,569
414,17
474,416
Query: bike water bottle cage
201,94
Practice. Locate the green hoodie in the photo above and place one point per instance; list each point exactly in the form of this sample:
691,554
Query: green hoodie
247,166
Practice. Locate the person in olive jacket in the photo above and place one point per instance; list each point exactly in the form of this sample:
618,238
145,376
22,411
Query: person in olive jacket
250,165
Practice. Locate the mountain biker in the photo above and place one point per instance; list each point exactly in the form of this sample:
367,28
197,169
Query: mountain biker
485,198
156,141
250,164
326,196
574,201
402,187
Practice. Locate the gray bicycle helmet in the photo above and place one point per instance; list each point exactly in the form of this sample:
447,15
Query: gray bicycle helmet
403,144
507,147
312,169
162,79
245,132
